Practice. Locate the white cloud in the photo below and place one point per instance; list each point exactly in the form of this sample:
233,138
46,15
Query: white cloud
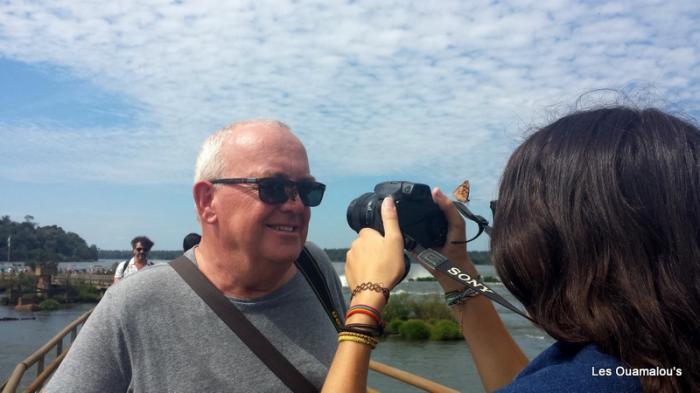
402,86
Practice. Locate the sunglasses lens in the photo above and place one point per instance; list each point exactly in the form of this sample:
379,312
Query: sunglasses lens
311,193
273,191
276,191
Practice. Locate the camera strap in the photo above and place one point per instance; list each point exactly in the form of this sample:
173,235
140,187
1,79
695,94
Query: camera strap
439,262
479,220
308,266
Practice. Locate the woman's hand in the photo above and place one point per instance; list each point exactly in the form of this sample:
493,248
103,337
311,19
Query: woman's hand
456,253
377,259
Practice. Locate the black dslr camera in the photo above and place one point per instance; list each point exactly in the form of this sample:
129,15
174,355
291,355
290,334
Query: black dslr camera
419,217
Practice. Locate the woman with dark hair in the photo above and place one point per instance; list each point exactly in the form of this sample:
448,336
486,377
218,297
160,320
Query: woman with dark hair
597,233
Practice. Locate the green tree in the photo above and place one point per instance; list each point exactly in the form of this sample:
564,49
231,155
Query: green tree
33,243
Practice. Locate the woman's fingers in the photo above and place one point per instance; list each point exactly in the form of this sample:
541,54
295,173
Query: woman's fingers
375,258
393,240
455,223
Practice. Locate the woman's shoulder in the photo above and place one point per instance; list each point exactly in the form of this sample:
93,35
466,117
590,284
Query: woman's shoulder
566,367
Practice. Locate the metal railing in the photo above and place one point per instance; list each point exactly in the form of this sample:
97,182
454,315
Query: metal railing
43,372
101,281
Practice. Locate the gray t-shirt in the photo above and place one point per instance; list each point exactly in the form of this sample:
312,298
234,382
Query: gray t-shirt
152,333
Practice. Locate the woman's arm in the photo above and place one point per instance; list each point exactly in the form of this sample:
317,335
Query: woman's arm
496,355
372,259
348,372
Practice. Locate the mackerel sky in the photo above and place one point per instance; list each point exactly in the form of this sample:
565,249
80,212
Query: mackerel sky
103,104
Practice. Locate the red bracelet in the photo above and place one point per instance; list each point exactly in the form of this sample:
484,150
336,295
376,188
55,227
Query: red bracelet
368,308
362,311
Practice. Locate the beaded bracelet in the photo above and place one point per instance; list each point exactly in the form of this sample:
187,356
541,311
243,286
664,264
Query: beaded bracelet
358,338
370,286
360,335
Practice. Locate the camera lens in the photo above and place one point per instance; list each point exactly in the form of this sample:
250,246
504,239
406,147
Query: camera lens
360,212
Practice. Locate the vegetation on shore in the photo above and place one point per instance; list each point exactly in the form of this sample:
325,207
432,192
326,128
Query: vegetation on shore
75,291
334,254
164,255
32,243
424,317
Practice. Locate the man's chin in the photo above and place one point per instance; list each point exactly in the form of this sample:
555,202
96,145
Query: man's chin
284,254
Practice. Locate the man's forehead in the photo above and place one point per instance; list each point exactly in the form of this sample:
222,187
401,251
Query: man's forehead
283,175
264,150
270,166
254,132
254,138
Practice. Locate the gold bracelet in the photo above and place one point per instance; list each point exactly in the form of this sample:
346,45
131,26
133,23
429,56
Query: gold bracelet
365,337
356,340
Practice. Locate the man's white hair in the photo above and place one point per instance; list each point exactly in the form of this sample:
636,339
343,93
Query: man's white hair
210,164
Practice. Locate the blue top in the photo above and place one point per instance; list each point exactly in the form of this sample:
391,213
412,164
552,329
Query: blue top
566,367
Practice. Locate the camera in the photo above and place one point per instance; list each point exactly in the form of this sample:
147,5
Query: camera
419,217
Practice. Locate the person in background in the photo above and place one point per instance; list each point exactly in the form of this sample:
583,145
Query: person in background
253,193
140,247
597,233
191,240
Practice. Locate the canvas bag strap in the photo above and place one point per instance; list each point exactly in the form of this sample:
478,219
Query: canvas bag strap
126,265
308,266
240,325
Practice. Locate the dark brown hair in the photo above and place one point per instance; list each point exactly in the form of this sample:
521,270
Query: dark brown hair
597,233
145,242
191,240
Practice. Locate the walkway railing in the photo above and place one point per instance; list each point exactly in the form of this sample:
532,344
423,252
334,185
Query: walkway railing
43,371
101,281
410,379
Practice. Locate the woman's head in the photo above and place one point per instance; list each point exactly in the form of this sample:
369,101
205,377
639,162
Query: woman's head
597,230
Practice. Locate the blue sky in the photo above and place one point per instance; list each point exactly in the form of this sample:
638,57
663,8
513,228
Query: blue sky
103,105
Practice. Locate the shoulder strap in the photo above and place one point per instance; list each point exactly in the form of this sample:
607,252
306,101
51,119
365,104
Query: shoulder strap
240,325
125,264
308,266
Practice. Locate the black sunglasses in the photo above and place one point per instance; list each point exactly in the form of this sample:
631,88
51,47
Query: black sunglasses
276,190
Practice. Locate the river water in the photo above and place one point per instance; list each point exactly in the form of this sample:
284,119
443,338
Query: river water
448,363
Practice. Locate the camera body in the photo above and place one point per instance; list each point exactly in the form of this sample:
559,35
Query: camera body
419,217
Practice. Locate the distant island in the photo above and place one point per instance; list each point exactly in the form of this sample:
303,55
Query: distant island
335,255
29,242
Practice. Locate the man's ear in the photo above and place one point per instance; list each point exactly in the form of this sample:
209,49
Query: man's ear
203,193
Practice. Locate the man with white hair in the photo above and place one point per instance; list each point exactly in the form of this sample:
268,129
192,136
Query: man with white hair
253,191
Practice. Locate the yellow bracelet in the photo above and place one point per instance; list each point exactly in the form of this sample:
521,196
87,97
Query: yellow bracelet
358,340
364,337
